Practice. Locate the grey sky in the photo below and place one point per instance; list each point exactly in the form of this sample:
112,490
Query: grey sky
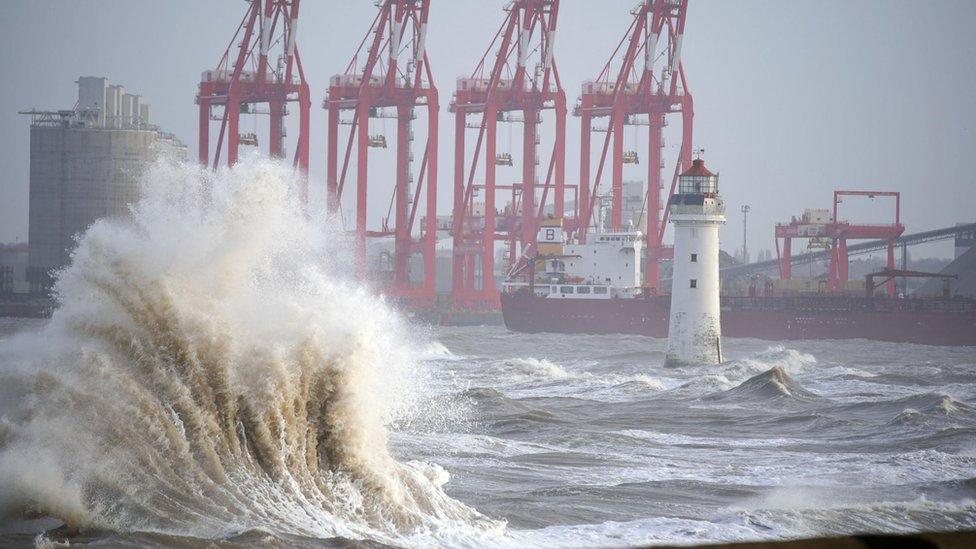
792,99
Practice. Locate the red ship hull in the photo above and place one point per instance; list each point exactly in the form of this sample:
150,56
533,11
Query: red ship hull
931,322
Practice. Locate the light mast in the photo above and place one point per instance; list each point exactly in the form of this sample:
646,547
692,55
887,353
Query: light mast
745,209
697,212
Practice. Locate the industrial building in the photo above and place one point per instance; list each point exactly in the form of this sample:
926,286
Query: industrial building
85,165
13,268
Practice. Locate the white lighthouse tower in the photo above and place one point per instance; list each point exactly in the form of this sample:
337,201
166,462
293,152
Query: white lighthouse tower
697,211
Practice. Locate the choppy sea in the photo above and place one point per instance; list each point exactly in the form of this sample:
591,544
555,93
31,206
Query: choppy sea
589,440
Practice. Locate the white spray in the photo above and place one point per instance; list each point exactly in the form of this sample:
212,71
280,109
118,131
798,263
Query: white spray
209,371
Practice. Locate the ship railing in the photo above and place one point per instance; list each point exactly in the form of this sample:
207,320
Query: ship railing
843,304
754,303
937,305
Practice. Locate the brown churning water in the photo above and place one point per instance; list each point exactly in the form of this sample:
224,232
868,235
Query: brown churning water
208,371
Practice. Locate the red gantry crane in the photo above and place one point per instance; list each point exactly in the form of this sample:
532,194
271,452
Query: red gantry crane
648,85
516,87
243,80
833,234
389,70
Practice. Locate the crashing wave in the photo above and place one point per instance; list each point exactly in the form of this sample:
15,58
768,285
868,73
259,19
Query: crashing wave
546,370
536,367
790,361
436,350
774,383
209,372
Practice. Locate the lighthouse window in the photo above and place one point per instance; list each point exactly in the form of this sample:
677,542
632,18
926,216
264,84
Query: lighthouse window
694,283
694,258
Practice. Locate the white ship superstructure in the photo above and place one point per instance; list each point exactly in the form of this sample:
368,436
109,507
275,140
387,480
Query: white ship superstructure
608,265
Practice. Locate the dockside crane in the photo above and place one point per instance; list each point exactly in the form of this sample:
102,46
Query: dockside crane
825,229
648,85
245,77
516,85
390,69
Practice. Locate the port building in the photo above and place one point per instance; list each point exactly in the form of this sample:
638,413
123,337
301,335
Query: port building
85,164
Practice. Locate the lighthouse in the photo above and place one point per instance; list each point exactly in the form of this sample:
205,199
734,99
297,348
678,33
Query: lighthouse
697,212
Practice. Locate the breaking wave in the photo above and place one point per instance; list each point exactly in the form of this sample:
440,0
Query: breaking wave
929,407
776,362
545,370
790,361
535,367
774,383
209,372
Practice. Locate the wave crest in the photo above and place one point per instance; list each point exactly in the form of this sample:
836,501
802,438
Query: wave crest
789,361
774,383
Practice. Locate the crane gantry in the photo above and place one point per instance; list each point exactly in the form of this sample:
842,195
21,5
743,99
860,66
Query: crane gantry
517,87
515,82
390,79
245,78
638,94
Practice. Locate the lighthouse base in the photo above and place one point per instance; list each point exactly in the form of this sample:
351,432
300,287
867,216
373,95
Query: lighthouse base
695,343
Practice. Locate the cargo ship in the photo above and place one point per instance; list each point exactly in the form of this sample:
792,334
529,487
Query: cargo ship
595,288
